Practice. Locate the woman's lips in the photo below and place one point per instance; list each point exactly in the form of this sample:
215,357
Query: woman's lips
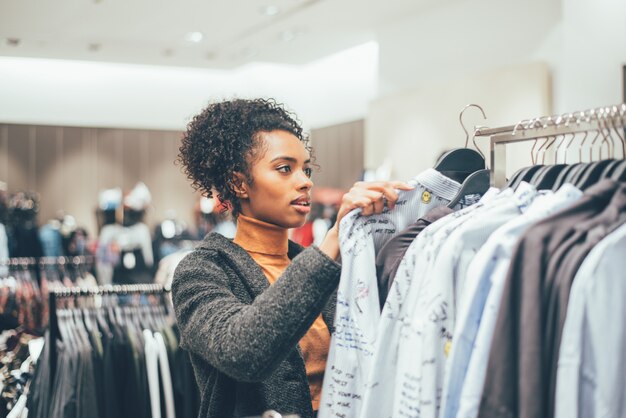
302,207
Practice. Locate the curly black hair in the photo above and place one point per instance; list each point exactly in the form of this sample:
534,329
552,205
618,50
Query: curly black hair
224,138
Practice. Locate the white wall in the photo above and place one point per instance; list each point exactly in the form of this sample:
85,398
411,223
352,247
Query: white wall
583,42
38,91
413,127
433,64
463,38
594,53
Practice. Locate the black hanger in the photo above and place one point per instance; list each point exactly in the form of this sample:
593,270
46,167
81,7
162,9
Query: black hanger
547,176
575,172
513,179
476,183
608,171
524,174
517,176
593,174
620,172
562,176
459,163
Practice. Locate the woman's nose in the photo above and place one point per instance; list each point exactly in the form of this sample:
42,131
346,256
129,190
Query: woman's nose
304,181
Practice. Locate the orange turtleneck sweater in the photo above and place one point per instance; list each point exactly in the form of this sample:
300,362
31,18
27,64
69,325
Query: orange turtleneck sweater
267,244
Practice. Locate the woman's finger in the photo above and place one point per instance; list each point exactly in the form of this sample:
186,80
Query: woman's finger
379,204
401,185
367,210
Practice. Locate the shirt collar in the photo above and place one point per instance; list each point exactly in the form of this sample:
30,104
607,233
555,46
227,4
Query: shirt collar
261,237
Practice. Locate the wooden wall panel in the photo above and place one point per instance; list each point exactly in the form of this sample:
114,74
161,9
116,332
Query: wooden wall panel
130,157
19,158
339,152
69,166
4,153
50,183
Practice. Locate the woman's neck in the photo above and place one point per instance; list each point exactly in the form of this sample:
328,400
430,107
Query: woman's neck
261,237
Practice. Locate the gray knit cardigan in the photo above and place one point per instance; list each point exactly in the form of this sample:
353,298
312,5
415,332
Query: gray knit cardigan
243,334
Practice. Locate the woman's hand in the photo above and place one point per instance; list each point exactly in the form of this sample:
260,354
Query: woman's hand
370,197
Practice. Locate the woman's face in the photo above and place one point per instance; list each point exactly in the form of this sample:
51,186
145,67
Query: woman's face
281,187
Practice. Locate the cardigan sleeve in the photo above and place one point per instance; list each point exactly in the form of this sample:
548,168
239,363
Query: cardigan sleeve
248,341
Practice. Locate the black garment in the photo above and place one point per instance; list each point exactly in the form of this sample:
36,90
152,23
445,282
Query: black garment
186,392
24,241
391,254
138,274
98,373
87,402
64,399
117,371
562,269
38,398
518,375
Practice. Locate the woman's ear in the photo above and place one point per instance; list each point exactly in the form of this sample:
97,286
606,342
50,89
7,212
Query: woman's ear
240,186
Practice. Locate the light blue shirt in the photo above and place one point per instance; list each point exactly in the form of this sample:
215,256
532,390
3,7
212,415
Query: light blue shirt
591,374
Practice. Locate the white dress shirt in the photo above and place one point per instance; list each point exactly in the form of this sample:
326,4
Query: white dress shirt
591,374
356,320
152,368
4,251
166,376
378,398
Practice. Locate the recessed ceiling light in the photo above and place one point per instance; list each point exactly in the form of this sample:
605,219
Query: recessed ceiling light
270,10
94,47
194,37
13,41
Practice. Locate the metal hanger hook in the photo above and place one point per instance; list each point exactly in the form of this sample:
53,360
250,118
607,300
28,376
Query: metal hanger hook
463,125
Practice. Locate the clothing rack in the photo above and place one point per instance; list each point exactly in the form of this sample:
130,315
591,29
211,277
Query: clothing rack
76,292
597,119
78,259
18,261
28,262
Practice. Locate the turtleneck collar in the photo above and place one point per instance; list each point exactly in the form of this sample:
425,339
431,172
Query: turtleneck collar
261,237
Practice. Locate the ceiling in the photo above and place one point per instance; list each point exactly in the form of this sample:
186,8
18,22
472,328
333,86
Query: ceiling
161,32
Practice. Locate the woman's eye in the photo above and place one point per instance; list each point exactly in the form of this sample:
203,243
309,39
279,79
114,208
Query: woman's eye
284,169
308,172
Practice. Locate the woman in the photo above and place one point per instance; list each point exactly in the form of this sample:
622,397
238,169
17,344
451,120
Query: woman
256,313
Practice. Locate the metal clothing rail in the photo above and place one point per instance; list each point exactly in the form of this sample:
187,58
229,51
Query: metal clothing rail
598,120
78,259
76,292
46,261
18,261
